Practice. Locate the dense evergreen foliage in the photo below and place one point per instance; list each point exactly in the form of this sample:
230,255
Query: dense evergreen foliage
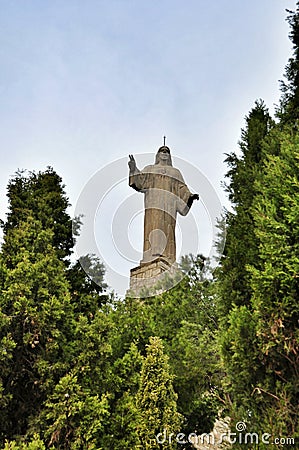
156,399
83,370
258,277
275,286
72,357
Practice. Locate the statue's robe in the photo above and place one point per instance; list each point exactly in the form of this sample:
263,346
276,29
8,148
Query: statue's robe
165,195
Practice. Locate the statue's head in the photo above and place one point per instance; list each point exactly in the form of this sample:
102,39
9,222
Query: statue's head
163,154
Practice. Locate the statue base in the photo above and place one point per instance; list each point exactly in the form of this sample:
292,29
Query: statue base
150,278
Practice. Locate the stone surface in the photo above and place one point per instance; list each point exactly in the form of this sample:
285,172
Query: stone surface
218,439
165,195
150,277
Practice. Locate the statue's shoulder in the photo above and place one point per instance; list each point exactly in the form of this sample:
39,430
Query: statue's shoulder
175,173
149,169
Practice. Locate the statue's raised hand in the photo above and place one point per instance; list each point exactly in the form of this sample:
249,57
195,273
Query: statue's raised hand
132,163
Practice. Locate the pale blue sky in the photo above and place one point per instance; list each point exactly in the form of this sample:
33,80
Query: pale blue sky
84,83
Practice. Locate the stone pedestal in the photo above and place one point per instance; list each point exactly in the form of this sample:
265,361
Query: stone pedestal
148,278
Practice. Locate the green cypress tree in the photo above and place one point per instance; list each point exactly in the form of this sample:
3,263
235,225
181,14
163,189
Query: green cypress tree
121,430
88,295
186,319
41,196
258,285
288,111
50,319
275,288
241,247
35,305
156,400
75,415
237,324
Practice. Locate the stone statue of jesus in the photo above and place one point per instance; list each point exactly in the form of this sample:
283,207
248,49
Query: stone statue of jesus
165,195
